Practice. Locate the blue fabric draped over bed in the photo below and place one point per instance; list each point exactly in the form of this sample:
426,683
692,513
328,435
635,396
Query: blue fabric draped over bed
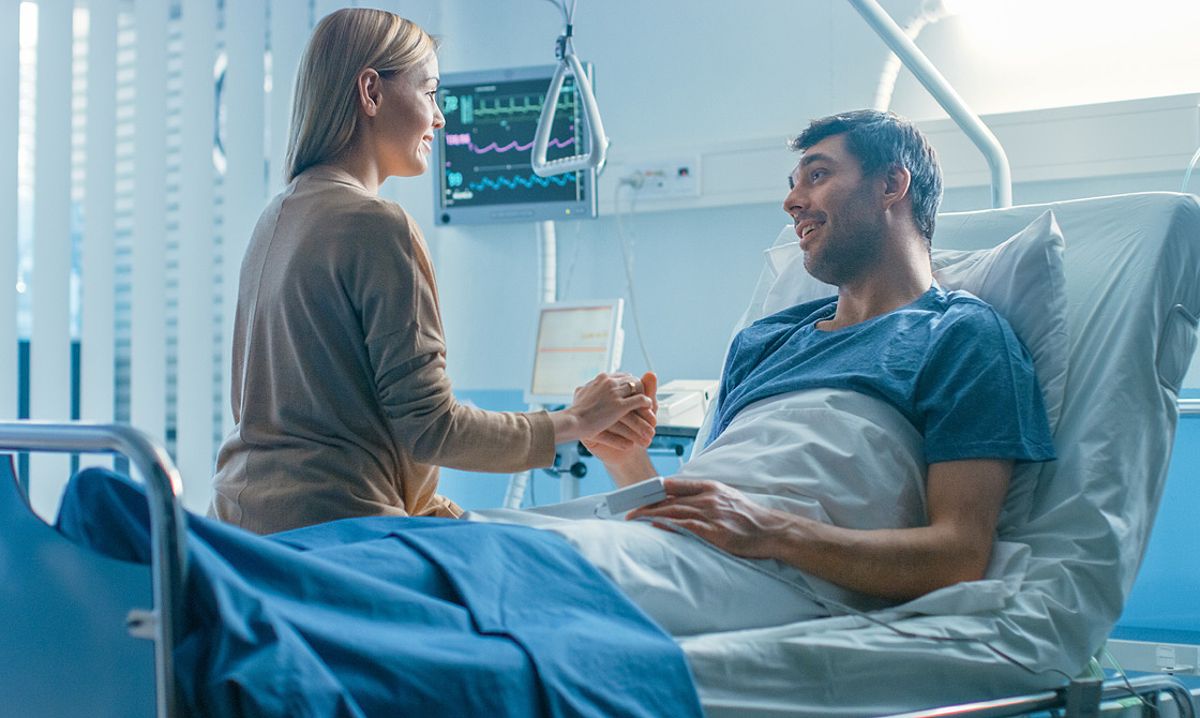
388,617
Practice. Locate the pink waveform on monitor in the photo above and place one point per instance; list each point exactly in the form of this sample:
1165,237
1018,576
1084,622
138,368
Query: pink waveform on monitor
464,138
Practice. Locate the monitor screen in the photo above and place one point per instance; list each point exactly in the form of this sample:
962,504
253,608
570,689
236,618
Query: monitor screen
575,342
482,155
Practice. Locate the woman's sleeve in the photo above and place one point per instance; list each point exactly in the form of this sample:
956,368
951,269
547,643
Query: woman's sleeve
395,294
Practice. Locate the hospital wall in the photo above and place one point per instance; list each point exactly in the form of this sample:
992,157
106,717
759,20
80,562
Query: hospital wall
679,77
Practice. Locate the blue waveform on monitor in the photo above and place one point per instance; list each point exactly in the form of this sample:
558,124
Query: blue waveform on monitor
521,181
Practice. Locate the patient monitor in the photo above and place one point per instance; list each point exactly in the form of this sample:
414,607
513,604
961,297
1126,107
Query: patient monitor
575,342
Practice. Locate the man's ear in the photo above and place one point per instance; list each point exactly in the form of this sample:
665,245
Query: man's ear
896,183
369,86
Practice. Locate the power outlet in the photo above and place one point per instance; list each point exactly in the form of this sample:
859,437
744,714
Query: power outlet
678,177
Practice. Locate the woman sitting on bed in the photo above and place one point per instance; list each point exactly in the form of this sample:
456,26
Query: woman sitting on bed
340,395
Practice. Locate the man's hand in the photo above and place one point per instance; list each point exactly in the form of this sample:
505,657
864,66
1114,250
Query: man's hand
622,446
719,514
963,502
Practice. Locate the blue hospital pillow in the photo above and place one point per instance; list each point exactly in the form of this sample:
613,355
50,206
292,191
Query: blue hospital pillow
1022,278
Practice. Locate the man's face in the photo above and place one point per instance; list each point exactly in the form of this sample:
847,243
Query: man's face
837,212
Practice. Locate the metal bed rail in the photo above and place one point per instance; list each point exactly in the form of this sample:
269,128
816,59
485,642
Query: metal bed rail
1189,407
168,559
1077,700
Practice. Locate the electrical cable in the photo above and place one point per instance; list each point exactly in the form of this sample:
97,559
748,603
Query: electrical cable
1128,685
566,291
626,242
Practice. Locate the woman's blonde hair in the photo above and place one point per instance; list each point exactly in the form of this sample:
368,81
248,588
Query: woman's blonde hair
325,106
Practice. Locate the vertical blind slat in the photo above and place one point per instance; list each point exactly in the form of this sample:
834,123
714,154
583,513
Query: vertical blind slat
194,366
321,8
245,176
50,347
289,32
148,356
99,217
10,69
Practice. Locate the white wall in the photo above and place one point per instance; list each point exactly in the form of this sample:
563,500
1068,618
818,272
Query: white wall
1030,54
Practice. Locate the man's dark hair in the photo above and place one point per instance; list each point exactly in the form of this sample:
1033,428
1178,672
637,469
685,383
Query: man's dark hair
880,141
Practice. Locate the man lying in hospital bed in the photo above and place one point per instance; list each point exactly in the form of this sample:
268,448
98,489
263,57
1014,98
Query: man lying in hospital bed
863,444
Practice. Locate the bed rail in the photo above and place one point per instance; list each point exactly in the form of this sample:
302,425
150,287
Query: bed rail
168,562
1076,704
1189,407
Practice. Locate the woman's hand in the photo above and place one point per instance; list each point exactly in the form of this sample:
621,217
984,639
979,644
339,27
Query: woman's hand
622,446
611,410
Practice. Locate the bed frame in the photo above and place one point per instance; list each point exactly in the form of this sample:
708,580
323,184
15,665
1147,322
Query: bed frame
79,614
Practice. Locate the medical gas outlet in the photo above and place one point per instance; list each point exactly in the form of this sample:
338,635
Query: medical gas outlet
668,178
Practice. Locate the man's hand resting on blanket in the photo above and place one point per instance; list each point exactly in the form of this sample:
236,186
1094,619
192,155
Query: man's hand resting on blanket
622,446
963,502
719,514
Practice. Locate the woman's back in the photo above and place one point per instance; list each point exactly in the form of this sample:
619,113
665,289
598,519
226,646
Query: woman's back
339,389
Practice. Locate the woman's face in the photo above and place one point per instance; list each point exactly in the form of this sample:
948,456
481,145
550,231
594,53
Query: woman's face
407,117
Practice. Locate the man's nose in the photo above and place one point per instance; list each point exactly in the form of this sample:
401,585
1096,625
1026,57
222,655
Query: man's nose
794,200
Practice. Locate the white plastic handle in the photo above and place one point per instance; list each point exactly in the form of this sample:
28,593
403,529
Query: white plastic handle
598,144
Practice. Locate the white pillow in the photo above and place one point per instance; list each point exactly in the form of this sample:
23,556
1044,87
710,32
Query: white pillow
1022,278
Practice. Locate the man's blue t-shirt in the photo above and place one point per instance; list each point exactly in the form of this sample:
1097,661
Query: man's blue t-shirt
946,361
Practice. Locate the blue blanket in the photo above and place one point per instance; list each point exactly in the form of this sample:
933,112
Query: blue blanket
393,617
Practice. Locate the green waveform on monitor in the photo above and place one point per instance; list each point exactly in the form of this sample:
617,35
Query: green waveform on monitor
525,105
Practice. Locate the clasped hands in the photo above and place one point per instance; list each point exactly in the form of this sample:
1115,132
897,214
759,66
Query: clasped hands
618,413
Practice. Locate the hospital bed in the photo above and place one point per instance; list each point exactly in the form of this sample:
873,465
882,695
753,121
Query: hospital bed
1128,309
1124,317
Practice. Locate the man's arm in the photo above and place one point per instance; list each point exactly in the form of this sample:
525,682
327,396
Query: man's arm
963,498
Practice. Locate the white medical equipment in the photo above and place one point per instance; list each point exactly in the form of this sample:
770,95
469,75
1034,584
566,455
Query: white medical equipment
568,63
682,403
634,496
575,342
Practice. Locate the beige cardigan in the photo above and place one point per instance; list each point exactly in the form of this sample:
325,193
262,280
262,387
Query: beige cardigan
340,396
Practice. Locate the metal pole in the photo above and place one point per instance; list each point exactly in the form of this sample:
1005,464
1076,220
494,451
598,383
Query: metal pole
928,75
168,558
548,253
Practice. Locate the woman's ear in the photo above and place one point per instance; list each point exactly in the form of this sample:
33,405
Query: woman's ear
370,91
